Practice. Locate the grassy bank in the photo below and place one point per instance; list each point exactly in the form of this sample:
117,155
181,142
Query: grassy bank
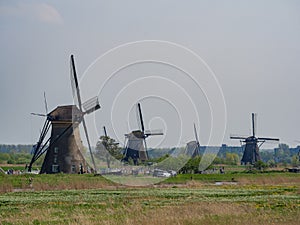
46,182
49,182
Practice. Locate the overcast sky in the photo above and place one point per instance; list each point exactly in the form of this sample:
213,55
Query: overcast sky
250,49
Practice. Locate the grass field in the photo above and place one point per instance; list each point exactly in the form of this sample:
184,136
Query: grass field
264,198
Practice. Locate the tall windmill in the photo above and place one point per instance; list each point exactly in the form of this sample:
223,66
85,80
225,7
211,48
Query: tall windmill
64,146
193,147
253,143
136,146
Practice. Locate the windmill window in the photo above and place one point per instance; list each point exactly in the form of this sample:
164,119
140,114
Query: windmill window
54,168
55,149
55,159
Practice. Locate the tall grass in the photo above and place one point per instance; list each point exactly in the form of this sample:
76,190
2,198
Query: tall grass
214,205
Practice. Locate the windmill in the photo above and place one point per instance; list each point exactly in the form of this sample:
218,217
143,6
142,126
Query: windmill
64,146
193,147
253,143
136,147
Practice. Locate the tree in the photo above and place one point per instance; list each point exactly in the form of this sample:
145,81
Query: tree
108,149
218,160
282,154
271,163
295,161
191,166
260,165
232,158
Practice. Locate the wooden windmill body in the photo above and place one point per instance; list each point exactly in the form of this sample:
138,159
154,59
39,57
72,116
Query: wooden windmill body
64,148
135,148
64,154
252,144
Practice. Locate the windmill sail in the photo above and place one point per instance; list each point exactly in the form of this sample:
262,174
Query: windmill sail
140,117
104,130
154,132
197,150
74,83
91,105
45,101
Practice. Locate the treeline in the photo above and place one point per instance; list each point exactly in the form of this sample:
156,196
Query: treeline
283,154
15,148
14,158
230,155
18,158
15,154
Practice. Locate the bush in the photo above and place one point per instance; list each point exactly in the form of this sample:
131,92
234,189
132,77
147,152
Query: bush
260,165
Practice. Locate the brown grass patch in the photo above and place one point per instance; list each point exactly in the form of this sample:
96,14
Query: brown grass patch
261,180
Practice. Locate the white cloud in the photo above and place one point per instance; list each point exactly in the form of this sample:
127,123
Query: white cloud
40,11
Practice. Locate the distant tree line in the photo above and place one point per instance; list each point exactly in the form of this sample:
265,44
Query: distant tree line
15,148
14,158
16,154
229,155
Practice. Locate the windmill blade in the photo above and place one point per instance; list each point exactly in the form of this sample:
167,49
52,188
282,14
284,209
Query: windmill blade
91,105
196,135
146,150
154,132
198,148
254,122
38,114
46,108
74,84
89,144
137,116
105,133
238,137
268,139
141,116
45,101
76,94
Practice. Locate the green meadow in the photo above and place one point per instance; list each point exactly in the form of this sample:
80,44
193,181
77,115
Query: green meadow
233,198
